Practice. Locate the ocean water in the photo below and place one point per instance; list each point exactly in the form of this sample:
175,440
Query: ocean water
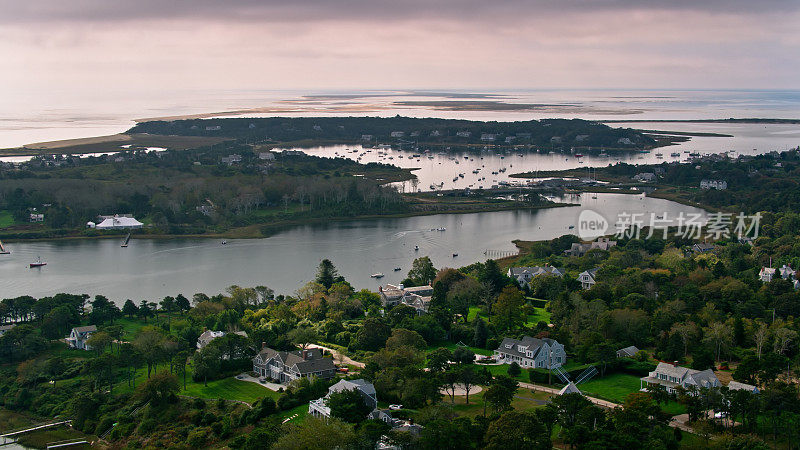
28,117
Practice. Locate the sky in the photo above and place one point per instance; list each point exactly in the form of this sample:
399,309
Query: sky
104,45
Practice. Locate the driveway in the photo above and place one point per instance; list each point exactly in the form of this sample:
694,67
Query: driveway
269,385
339,356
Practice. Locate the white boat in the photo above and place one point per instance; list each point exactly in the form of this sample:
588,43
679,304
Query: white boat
3,250
38,263
376,275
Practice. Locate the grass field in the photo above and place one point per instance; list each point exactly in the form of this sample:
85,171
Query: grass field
524,399
617,386
451,346
6,219
229,389
540,315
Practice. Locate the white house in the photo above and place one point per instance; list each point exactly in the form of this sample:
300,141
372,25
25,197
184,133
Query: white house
463,134
266,156
531,352
720,185
737,386
671,377
646,177
207,336
397,134
580,248
768,273
587,278
488,137
417,297
79,335
118,222
37,217
319,407
524,275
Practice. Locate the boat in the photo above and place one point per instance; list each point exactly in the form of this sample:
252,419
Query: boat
127,239
38,263
455,254
376,275
224,242
3,250
579,155
416,248
571,227
397,269
674,154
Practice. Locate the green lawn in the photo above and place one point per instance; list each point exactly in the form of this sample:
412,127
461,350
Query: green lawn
614,387
6,219
229,389
452,346
300,410
524,399
541,315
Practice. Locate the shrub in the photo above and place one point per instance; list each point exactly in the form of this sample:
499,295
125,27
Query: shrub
514,369
198,403
146,426
197,438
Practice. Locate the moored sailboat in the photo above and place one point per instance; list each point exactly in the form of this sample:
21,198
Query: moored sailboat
3,250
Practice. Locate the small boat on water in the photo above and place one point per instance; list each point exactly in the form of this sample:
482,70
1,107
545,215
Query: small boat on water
416,248
674,154
127,239
38,263
455,254
224,242
376,275
3,250
397,269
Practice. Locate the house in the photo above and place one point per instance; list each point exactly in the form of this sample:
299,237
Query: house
231,159
627,352
4,328
417,297
79,335
524,275
671,377
397,134
737,386
645,177
510,139
463,134
768,273
703,247
118,222
720,185
580,248
36,218
366,137
207,336
436,133
317,128
488,137
213,128
587,278
288,366
570,389
319,407
266,156
531,352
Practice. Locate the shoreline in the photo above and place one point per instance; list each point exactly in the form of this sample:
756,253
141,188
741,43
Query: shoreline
262,231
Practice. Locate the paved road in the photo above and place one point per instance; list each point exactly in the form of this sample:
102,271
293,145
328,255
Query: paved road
337,356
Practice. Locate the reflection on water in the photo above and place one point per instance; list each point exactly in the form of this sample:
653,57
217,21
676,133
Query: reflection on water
152,269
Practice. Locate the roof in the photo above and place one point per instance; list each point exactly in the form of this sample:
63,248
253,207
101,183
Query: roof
314,361
7,327
315,365
87,328
119,222
628,351
737,386
535,271
528,342
570,389
670,370
348,385
420,290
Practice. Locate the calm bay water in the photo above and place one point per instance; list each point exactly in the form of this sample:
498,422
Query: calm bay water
151,269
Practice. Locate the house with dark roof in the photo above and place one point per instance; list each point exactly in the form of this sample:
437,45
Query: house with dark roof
671,377
287,366
207,336
524,275
580,248
703,247
531,352
417,297
627,352
319,407
79,335
587,278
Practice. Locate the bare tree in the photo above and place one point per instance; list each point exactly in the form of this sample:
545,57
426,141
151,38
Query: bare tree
783,337
760,337
719,335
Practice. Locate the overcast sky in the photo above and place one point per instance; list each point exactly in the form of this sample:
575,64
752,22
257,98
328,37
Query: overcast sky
399,44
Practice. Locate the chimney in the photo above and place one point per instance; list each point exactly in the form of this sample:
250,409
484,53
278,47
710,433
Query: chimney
263,345
400,286
380,288
305,355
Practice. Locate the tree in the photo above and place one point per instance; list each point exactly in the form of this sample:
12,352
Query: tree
720,336
760,337
316,434
517,429
514,370
130,309
159,389
481,333
402,337
422,271
182,303
567,408
468,377
207,362
348,405
99,341
783,337
508,312
144,310
167,304
439,359
148,343
178,364
372,335
463,355
492,277
327,274
303,336
500,393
